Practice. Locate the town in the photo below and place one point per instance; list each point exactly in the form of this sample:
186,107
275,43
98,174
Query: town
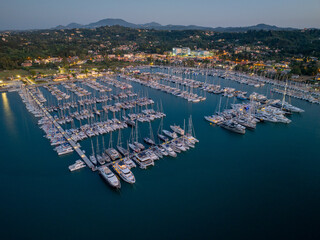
114,52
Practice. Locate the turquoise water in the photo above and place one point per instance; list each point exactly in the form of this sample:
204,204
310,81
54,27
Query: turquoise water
262,185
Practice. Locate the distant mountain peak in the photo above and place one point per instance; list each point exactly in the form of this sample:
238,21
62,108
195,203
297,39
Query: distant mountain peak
158,26
152,24
74,25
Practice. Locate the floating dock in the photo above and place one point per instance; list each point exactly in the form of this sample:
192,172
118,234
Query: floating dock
66,136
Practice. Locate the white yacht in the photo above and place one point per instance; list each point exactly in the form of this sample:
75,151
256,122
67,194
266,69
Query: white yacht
93,159
124,172
113,154
170,134
77,165
177,129
169,150
109,177
143,160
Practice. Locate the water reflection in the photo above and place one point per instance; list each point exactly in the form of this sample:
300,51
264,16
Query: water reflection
5,102
8,115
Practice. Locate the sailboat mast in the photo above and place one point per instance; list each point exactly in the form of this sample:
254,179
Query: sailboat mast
284,94
92,148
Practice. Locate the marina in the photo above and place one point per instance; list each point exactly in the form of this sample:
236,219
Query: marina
160,120
218,168
102,160
91,108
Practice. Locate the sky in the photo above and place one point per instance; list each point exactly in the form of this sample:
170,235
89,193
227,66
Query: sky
35,14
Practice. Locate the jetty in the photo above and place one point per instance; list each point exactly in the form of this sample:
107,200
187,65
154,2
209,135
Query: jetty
66,136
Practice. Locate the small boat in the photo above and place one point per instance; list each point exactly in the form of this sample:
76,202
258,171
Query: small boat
149,141
170,134
163,138
139,145
100,159
113,154
169,150
123,151
130,123
77,165
233,126
162,150
143,160
93,159
215,119
177,129
134,148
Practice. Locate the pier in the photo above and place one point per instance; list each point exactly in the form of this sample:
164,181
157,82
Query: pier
66,136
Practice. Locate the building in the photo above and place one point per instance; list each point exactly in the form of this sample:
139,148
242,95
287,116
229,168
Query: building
181,51
26,64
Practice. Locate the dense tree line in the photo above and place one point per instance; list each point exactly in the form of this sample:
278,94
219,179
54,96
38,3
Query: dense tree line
18,46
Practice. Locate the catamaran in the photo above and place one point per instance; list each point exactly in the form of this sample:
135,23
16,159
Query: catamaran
143,160
113,154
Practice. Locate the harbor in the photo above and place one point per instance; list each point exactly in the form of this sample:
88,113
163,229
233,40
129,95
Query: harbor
94,111
87,109
160,120
73,103
217,170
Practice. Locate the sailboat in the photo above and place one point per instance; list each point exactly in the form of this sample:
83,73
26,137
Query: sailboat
122,150
92,157
136,143
216,118
100,159
131,145
113,153
150,140
127,160
160,129
177,129
104,155
191,136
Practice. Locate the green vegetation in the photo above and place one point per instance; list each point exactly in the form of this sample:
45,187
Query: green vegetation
13,73
44,71
304,68
274,45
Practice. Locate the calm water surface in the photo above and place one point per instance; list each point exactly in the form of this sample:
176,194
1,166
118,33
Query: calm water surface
263,185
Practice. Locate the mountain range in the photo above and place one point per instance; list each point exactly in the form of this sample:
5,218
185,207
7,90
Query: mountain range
158,26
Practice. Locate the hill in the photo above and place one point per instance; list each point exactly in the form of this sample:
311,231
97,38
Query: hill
157,26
